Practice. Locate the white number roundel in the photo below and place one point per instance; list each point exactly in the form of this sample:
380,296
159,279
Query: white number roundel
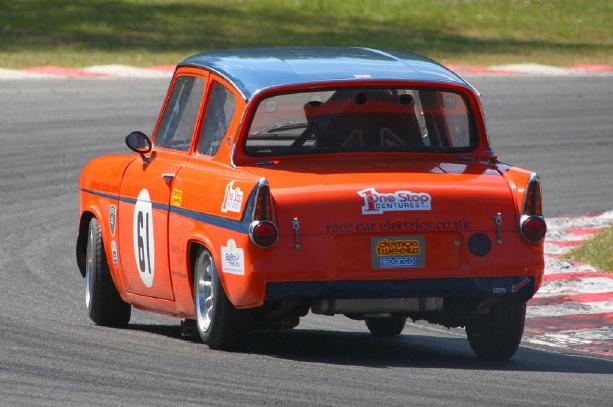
144,249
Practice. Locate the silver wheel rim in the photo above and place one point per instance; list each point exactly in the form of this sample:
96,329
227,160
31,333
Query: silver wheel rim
89,265
204,292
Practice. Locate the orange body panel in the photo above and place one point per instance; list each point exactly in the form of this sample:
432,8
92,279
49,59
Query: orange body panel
191,199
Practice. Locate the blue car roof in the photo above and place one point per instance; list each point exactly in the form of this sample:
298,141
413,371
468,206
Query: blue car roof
256,69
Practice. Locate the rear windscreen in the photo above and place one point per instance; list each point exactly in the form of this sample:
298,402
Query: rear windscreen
364,120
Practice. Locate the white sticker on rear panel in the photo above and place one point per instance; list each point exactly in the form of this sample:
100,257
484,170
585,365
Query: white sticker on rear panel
233,199
144,247
377,202
232,258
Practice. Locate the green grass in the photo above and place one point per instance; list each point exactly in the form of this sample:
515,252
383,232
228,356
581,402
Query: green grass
146,32
598,251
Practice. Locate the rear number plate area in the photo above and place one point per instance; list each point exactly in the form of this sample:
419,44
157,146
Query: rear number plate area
388,252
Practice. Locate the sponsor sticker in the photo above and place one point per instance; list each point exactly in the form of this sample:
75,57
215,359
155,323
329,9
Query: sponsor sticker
176,197
142,233
114,253
377,203
233,199
516,287
112,218
232,258
398,252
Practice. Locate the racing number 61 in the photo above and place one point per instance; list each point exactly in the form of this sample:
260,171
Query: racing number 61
144,243
143,248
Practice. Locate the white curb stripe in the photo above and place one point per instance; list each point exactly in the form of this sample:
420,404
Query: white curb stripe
578,337
582,285
16,74
569,308
534,69
126,71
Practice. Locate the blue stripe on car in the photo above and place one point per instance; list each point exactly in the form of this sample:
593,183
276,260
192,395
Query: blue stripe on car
241,226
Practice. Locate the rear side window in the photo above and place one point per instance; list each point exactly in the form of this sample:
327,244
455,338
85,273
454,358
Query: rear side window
177,125
219,112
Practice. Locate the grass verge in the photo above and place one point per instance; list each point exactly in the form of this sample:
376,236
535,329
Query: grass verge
149,32
597,251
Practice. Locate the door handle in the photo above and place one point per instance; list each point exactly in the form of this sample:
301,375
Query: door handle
168,177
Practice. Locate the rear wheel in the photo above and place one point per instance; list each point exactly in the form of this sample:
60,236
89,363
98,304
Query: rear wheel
390,326
497,334
104,305
219,324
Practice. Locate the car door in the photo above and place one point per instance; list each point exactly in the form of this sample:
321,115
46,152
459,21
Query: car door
146,192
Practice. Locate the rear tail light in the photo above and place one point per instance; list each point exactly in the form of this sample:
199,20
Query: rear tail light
532,224
533,228
263,231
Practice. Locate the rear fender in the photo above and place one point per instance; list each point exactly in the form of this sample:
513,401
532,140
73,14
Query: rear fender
518,180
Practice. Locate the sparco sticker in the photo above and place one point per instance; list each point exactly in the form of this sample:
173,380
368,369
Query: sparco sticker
144,248
233,199
232,258
376,203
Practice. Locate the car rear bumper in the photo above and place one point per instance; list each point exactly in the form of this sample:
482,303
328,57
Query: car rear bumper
520,287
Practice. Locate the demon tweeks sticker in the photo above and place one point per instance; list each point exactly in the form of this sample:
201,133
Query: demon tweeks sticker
233,199
112,218
232,258
144,247
376,203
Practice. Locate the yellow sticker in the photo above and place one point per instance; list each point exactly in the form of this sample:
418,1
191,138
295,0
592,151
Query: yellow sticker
177,197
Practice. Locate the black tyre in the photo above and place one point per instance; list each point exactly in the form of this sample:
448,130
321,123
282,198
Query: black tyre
104,305
390,326
497,334
219,324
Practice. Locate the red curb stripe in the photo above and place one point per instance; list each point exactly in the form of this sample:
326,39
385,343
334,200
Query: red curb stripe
547,278
571,322
563,299
533,331
593,68
602,348
162,68
566,243
588,230
63,72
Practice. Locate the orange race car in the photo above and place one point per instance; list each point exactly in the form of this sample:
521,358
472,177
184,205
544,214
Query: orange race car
333,180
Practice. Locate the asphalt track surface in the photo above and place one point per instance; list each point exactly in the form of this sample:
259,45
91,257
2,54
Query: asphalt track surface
51,354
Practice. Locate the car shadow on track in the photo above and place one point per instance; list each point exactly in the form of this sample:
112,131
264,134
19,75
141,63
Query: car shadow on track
414,350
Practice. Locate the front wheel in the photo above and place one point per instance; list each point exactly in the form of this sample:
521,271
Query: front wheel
390,326
219,324
497,334
104,305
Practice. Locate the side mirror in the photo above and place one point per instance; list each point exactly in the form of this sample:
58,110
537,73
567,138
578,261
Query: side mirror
138,141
